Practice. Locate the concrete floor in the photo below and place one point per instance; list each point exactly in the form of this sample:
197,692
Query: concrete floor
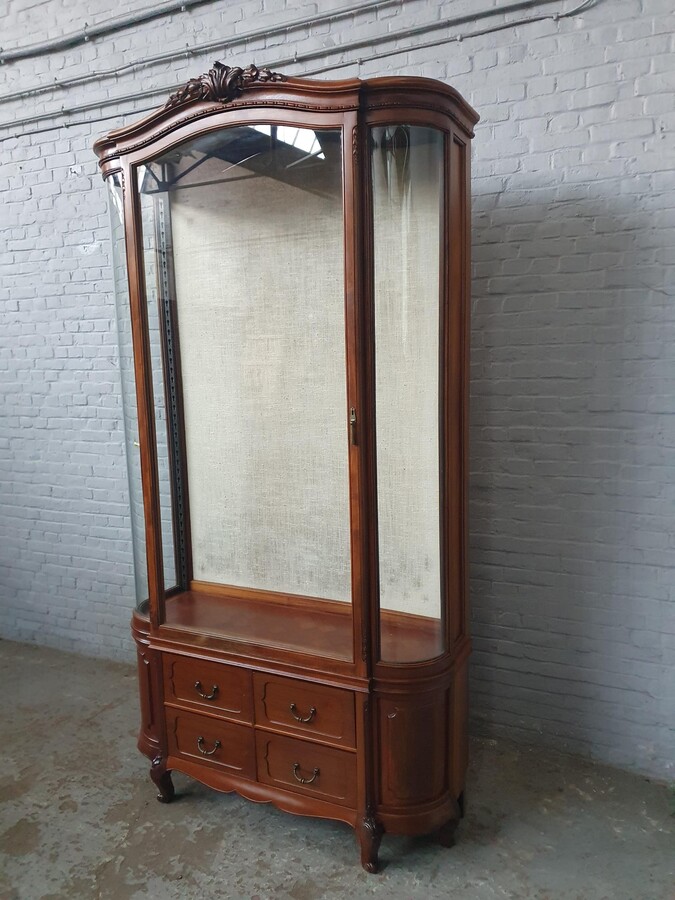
78,817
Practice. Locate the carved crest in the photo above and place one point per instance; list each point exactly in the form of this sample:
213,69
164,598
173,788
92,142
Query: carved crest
222,83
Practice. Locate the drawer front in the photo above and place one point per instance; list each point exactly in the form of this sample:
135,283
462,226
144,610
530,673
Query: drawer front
307,768
207,685
204,739
312,710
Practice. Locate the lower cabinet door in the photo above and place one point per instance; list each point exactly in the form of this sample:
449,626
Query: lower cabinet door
413,736
307,768
214,742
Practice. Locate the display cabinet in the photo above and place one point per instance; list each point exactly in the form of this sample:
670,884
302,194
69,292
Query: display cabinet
292,277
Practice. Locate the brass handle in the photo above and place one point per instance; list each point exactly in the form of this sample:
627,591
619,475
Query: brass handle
312,713
200,747
198,688
352,425
296,767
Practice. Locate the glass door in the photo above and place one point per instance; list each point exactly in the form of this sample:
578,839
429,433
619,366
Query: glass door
407,171
243,241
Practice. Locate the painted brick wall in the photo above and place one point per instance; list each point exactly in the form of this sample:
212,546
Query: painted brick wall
573,374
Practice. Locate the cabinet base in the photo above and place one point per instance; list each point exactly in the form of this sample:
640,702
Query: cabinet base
369,831
264,734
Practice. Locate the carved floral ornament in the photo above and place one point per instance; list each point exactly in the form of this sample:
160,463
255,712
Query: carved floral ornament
222,84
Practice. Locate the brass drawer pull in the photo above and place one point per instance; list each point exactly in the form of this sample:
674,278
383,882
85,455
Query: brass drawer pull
200,747
296,769
312,713
211,696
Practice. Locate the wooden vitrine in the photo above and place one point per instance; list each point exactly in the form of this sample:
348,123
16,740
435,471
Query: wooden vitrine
292,276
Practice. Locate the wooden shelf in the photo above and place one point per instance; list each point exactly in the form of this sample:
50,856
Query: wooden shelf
301,624
406,638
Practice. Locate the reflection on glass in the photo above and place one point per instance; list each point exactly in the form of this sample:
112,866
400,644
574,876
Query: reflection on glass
128,384
407,172
253,222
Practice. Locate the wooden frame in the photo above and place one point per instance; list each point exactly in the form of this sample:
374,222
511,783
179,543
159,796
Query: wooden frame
400,768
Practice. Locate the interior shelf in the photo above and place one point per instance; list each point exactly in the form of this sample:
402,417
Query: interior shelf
304,624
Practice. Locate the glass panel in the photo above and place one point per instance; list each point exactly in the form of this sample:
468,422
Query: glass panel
128,384
407,171
126,357
256,245
155,292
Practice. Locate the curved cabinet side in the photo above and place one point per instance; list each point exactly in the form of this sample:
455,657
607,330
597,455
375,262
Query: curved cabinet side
151,740
421,749
459,729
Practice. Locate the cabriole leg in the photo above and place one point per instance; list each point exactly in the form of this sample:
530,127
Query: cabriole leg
162,780
446,833
369,832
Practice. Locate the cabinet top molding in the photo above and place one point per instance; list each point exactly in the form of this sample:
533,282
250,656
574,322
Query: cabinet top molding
225,91
222,84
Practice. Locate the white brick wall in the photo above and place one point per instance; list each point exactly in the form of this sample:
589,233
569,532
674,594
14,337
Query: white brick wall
573,375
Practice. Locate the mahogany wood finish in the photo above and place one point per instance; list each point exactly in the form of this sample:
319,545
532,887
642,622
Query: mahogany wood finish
287,699
206,686
307,768
307,709
211,742
319,627
161,777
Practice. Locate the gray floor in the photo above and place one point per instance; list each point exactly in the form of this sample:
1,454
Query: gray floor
78,818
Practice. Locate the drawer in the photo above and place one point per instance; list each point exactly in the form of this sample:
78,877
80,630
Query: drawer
328,774
213,742
207,685
301,707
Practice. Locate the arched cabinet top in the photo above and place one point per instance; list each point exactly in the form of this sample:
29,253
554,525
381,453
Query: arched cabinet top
233,89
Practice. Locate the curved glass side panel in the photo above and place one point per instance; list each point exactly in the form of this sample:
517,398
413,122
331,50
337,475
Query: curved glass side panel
128,384
407,175
154,255
249,238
